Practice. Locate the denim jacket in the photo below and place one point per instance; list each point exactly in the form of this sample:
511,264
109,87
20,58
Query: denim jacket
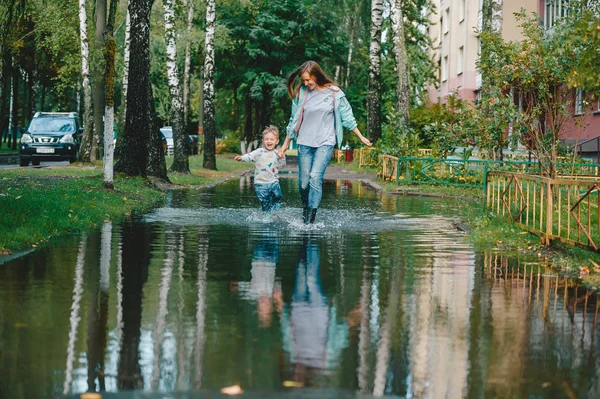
343,116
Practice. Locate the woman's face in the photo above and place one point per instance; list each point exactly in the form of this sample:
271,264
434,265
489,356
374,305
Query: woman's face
308,80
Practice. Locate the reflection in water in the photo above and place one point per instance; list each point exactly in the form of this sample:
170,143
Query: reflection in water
200,307
313,337
74,317
401,306
262,287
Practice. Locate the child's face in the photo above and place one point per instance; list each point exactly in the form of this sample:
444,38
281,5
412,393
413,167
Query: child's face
270,141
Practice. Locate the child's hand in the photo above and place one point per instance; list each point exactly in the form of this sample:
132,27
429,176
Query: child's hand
281,152
238,158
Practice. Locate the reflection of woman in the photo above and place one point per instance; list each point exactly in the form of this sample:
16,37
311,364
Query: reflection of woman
319,112
312,335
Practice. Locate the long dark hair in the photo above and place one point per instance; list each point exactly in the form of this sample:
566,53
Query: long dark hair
293,83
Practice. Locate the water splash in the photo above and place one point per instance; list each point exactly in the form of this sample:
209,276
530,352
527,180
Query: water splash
357,220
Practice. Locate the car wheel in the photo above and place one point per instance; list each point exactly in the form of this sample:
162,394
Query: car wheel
71,160
24,161
35,162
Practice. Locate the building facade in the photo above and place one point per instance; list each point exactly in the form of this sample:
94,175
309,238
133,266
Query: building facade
456,47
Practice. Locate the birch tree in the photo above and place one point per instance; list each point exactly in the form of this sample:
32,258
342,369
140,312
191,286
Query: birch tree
374,95
99,83
187,63
180,142
401,56
210,130
109,107
123,116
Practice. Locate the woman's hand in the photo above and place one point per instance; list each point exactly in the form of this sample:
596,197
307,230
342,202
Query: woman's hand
281,152
362,138
366,141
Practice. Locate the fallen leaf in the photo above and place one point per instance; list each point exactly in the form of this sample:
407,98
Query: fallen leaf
90,395
292,384
232,390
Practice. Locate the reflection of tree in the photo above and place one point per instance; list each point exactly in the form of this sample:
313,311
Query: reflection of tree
201,307
163,295
383,351
136,252
98,312
75,318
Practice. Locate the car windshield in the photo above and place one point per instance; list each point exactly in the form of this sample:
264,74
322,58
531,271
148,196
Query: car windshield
52,125
168,133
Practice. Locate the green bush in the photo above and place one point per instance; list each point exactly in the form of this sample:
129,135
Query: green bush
229,145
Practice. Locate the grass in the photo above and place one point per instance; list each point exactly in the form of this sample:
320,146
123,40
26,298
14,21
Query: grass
7,150
490,232
226,168
43,203
60,202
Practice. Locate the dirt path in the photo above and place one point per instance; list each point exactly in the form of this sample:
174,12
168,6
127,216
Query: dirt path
334,171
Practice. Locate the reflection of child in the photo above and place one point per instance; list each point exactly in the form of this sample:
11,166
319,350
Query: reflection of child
266,171
262,286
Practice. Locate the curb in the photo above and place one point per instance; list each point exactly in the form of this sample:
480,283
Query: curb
9,158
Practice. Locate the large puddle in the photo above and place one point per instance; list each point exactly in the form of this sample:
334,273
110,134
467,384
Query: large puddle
381,297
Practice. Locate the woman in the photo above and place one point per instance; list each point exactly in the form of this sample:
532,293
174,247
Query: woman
320,110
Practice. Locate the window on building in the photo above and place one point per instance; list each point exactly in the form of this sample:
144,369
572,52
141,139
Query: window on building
460,62
445,69
554,11
579,96
446,21
462,10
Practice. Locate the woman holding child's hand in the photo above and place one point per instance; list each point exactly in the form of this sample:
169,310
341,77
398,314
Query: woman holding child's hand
320,110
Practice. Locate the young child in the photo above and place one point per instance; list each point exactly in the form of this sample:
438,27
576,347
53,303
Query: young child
266,170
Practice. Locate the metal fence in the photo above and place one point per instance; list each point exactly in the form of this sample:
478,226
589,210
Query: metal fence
563,209
466,173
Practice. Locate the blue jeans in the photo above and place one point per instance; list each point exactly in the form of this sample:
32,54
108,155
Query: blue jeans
269,195
312,162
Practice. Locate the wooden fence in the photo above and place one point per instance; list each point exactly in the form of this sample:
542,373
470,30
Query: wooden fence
562,209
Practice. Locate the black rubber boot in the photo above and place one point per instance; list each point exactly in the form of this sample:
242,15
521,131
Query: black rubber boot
313,215
306,215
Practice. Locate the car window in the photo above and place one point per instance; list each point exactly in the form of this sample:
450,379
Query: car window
52,125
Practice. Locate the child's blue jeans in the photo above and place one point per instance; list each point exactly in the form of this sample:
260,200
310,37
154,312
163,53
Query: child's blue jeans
269,195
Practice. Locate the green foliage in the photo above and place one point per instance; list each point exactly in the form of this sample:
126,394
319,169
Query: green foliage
579,34
229,145
398,138
533,72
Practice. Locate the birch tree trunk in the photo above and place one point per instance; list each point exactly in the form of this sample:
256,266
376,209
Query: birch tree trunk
180,142
14,107
403,84
188,58
123,116
109,108
210,161
99,83
374,94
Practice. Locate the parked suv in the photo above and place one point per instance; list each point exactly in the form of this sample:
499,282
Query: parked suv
51,136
